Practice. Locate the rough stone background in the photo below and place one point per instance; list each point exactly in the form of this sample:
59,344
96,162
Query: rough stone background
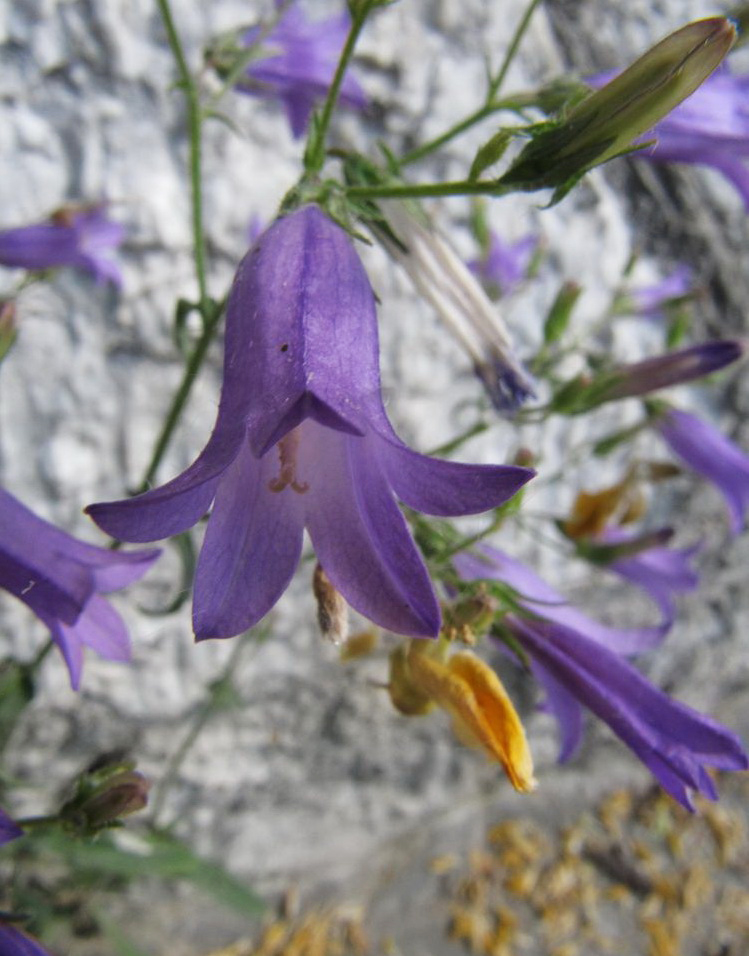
315,780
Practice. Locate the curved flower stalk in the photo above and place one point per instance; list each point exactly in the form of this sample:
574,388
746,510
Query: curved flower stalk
62,579
580,663
713,456
300,65
446,282
505,265
78,236
302,440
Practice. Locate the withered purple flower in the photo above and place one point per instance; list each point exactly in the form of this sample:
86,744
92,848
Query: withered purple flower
713,456
299,68
62,579
302,440
581,663
82,237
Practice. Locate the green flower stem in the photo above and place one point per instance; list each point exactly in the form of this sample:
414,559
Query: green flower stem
179,401
490,106
194,127
314,154
463,187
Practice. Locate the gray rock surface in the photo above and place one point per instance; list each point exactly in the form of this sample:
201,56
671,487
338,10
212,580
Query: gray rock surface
314,779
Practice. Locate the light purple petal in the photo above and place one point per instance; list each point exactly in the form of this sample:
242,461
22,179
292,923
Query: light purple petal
564,707
125,568
705,450
437,487
661,572
649,300
505,264
70,647
251,548
360,536
540,598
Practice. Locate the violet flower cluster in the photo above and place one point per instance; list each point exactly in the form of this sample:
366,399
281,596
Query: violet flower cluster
62,579
302,441
581,663
82,237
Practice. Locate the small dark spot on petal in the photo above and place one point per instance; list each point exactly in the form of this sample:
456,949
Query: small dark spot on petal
285,347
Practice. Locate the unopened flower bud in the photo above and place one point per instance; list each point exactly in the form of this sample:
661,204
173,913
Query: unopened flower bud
7,326
332,610
609,121
121,795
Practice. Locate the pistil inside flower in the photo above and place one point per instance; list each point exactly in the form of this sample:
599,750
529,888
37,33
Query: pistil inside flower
287,452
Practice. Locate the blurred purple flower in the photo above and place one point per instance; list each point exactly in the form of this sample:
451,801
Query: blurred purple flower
580,663
709,128
302,440
9,830
14,942
300,66
78,236
61,579
659,570
705,450
505,264
649,300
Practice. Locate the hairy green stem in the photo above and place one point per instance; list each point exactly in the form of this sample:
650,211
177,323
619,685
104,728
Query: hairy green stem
463,187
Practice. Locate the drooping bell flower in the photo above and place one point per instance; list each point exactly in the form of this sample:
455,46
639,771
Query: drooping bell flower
302,441
652,301
713,456
582,664
82,237
62,581
300,64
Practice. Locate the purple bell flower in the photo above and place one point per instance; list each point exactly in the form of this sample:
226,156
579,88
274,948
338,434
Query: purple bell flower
581,663
300,66
505,265
14,942
705,450
62,579
302,440
649,301
78,236
9,829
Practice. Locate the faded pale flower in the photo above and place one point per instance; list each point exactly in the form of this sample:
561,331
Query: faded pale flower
302,441
78,236
299,66
713,456
62,581
581,663
446,282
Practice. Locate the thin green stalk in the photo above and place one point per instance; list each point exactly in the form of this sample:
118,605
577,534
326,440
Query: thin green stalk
490,105
194,128
315,152
512,49
463,187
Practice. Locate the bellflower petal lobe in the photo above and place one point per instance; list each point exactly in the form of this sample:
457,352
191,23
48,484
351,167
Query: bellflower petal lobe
302,441
14,942
60,578
713,456
9,829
